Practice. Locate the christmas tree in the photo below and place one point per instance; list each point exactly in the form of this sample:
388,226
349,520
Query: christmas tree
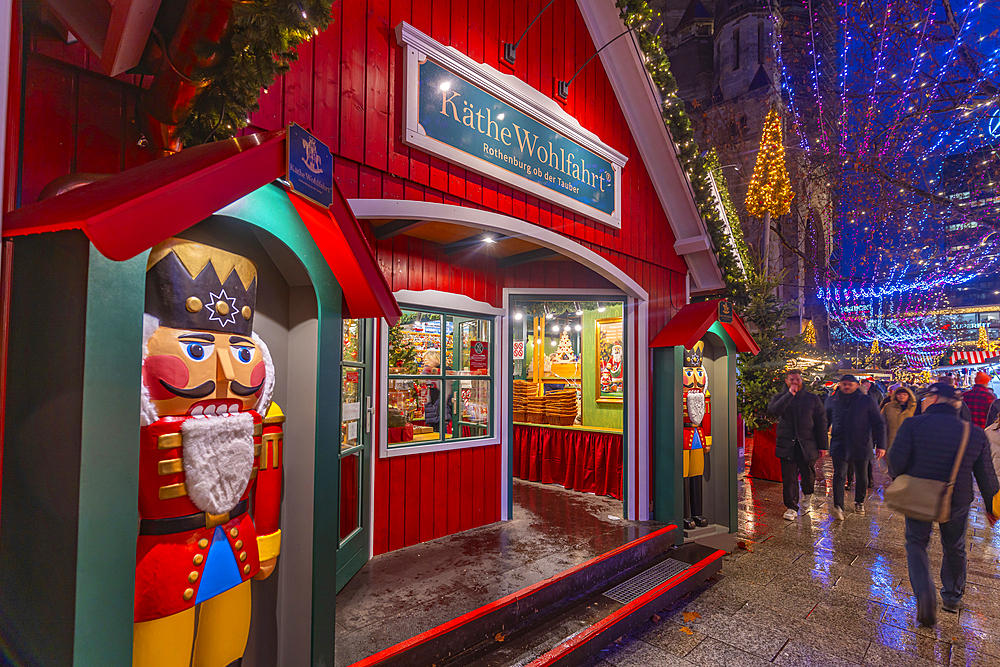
809,333
564,351
873,355
770,190
984,339
402,353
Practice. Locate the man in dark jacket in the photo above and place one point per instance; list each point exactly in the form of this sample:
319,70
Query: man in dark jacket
856,422
801,440
926,446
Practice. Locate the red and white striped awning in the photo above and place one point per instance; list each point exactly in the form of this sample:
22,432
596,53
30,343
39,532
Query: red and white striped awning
971,357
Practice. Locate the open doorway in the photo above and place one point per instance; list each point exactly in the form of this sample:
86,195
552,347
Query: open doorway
569,396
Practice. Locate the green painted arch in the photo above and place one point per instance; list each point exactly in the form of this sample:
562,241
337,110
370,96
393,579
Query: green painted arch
270,209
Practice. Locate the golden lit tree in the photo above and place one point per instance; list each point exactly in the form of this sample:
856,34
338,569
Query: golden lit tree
873,354
770,192
809,333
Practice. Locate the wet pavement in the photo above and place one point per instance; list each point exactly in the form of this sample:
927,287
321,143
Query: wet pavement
398,595
815,591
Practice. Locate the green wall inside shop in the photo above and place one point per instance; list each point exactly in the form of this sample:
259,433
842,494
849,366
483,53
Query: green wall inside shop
602,415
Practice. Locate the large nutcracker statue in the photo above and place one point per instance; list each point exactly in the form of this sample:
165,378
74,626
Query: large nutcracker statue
209,463
697,432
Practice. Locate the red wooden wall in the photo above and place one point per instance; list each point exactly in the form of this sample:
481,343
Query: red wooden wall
347,88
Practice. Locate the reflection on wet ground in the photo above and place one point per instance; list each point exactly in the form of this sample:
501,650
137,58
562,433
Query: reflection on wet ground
815,591
398,595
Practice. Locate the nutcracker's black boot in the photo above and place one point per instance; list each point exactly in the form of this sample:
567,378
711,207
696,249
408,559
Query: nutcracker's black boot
700,521
689,524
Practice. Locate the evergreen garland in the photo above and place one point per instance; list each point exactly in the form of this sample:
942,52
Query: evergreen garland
638,14
262,48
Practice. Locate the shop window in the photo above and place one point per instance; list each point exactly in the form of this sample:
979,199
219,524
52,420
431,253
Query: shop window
440,378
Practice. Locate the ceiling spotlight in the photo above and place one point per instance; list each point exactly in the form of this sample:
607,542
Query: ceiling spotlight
555,328
579,311
548,316
489,239
579,328
600,308
518,315
566,328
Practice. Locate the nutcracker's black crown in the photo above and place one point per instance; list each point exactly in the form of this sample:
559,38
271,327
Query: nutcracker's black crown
693,357
194,286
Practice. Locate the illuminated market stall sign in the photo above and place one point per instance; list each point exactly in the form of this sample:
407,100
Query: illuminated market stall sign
496,125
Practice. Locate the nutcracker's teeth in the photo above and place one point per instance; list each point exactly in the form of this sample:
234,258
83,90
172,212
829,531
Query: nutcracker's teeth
210,410
196,411
234,409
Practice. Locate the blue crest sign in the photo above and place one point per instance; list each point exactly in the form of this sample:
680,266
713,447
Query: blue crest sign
496,125
310,166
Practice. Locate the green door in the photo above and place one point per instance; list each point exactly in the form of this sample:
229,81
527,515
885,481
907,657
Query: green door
356,426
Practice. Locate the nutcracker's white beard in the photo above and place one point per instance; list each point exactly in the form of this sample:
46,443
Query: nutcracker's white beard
696,407
218,460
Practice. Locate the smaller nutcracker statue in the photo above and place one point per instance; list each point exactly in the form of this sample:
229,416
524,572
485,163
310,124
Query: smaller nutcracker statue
697,440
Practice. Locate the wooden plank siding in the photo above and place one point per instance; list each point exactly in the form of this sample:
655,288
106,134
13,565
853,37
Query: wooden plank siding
347,87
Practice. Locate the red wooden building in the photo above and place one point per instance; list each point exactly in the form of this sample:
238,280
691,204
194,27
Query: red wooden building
463,238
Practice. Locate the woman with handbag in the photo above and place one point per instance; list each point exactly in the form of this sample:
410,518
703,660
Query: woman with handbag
934,457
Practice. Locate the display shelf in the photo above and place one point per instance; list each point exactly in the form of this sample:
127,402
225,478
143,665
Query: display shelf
594,429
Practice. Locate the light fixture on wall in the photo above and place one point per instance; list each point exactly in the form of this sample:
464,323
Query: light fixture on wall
489,239
510,50
518,315
600,308
562,88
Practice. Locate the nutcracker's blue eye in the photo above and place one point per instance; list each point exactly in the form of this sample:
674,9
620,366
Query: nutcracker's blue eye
242,354
197,351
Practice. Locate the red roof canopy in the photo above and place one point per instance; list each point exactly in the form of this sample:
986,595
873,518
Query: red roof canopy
126,214
692,321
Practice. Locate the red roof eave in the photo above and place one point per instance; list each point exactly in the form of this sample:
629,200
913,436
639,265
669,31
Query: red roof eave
691,323
128,213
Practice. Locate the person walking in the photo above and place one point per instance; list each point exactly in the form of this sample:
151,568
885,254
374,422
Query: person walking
979,399
801,440
902,405
856,423
927,446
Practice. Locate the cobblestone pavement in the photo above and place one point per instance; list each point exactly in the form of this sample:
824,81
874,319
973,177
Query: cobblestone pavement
816,591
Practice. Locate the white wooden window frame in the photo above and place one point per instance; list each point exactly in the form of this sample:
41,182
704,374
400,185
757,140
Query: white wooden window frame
458,304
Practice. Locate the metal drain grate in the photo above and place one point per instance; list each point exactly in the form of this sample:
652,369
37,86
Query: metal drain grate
646,581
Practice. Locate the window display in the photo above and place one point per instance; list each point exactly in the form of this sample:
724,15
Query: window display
569,366
429,398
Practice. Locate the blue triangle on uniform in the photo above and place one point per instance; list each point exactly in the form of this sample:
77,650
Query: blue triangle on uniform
695,439
221,572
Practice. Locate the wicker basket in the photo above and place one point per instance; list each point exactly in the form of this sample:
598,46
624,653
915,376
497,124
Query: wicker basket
520,415
535,417
561,420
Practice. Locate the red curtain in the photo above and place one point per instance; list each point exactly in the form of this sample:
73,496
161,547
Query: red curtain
763,463
578,460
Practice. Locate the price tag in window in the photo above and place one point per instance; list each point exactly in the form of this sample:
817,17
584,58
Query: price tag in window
518,350
352,431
